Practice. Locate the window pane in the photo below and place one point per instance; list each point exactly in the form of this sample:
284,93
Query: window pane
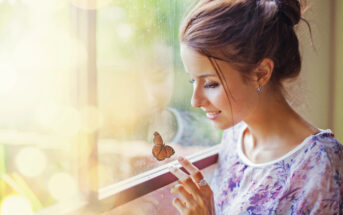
39,120
143,88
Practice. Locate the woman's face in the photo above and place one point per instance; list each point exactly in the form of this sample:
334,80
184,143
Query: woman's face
209,93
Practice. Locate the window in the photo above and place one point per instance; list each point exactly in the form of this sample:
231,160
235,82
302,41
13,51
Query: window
138,66
82,92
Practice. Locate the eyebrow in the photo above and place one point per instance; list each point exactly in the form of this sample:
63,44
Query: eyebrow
206,75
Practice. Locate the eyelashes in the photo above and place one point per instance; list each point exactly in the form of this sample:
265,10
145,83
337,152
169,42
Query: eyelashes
211,85
207,85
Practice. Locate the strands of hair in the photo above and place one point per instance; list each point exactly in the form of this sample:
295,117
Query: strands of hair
244,32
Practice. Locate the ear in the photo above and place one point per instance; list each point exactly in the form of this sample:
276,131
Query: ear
264,71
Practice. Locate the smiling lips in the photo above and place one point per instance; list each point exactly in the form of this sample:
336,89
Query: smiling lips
212,115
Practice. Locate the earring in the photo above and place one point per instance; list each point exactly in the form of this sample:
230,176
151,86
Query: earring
259,89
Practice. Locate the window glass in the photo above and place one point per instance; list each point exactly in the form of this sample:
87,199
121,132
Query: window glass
38,116
143,88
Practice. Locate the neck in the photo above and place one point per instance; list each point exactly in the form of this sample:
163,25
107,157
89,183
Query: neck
274,121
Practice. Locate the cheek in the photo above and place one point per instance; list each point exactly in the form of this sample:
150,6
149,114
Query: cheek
220,99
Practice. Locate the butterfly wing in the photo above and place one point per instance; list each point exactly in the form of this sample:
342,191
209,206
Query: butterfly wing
159,152
157,139
169,151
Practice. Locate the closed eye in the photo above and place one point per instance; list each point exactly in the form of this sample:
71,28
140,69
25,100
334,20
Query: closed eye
211,85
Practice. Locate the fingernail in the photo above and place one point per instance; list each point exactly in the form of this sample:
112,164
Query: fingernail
180,159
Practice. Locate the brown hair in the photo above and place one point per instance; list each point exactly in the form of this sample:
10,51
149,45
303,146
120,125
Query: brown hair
244,32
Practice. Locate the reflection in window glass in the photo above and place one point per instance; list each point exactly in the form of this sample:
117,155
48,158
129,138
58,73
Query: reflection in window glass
38,117
143,88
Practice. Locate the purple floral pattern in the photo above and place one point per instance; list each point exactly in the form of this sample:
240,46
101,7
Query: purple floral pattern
308,181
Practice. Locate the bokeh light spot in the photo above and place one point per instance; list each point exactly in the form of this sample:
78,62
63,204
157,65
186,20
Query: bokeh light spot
31,161
125,31
62,186
15,205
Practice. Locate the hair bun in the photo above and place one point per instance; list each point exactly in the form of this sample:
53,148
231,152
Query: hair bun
269,8
290,11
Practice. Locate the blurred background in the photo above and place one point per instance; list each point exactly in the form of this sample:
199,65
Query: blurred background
84,84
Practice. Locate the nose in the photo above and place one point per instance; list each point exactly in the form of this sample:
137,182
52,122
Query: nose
198,98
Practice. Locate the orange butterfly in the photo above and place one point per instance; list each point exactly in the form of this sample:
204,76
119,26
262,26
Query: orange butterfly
160,150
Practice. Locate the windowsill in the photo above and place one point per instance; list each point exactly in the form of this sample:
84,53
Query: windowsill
112,196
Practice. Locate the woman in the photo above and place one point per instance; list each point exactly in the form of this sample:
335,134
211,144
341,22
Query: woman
238,53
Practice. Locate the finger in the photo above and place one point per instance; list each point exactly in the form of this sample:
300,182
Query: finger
178,173
198,176
180,189
180,206
191,187
188,165
193,170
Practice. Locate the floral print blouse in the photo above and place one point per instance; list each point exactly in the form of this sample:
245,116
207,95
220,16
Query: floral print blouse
307,180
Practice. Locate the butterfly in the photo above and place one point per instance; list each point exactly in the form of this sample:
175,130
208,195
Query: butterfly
160,150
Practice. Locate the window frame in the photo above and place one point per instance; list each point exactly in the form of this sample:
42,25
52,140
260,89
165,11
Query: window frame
118,194
83,22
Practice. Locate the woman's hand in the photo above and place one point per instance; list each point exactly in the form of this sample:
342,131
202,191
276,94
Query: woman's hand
196,194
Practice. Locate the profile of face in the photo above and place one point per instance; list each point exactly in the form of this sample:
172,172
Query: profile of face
209,92
135,91
157,79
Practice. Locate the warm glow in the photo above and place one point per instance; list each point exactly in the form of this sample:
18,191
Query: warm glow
40,66
44,6
16,205
31,161
67,121
46,113
90,4
63,120
8,78
62,186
